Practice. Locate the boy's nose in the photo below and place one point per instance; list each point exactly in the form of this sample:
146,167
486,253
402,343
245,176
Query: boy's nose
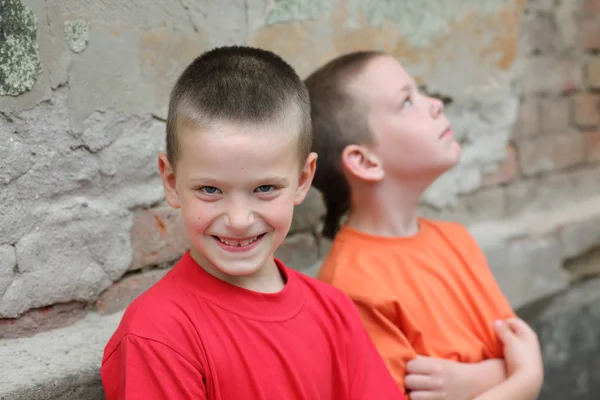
239,217
436,107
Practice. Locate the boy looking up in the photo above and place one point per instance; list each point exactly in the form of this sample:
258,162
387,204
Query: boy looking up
423,287
229,321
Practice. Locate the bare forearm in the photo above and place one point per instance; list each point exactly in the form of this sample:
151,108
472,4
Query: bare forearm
487,375
516,387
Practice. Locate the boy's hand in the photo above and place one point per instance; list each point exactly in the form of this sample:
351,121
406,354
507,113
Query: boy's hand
523,363
522,352
429,378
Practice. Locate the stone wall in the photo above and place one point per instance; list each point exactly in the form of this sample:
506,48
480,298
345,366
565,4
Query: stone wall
83,97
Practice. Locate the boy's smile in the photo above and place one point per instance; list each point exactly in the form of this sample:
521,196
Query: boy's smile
237,187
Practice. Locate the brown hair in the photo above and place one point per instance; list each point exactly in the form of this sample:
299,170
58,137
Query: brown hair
339,119
238,84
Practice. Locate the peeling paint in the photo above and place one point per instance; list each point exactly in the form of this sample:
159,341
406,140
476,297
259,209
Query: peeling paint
420,22
298,10
77,34
19,51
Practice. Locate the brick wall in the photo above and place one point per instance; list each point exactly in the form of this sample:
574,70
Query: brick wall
554,153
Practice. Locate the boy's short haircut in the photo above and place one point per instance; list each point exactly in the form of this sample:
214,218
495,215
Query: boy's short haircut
238,84
339,119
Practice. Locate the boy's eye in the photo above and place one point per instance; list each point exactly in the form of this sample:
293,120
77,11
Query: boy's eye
265,188
407,103
209,190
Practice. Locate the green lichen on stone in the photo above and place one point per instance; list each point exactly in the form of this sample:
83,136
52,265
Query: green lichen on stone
19,53
77,34
298,10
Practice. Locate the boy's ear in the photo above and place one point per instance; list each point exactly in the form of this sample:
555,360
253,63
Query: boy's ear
306,177
168,180
361,163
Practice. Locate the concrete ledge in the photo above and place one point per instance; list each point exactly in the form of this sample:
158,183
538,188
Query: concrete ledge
60,364
531,256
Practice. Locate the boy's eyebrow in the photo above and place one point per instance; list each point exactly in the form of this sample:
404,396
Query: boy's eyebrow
406,88
278,179
211,181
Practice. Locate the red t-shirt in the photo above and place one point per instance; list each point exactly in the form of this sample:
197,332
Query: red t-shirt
192,336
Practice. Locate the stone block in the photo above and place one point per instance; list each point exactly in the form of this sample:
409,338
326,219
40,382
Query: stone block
592,146
539,34
560,75
506,172
484,204
157,237
593,72
62,364
42,319
528,120
299,251
551,152
120,294
75,252
8,262
589,33
585,110
554,114
308,214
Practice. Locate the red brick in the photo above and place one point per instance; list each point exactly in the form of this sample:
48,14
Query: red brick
592,6
42,319
120,294
589,33
551,152
507,171
593,73
549,74
299,251
586,109
592,146
157,237
554,114
528,120
539,33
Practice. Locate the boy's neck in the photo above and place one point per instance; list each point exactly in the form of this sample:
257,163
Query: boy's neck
386,210
267,279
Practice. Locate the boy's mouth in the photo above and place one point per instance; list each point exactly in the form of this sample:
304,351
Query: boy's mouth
446,133
238,242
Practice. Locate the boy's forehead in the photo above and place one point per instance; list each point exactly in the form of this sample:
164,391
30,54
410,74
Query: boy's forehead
383,74
230,140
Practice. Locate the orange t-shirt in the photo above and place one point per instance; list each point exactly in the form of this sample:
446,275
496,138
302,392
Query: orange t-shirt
430,294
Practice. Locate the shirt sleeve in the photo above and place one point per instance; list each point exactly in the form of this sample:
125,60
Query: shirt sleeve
369,377
391,343
142,368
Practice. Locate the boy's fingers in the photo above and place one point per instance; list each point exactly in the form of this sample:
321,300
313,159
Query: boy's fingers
503,331
519,327
422,382
426,395
420,365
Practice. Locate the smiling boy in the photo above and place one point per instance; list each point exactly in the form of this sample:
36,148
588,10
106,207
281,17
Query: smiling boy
229,321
